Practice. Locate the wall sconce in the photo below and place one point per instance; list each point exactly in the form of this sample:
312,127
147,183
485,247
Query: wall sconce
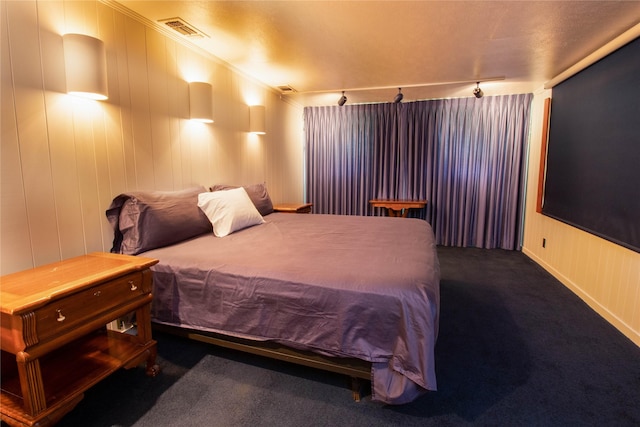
200,102
85,61
256,119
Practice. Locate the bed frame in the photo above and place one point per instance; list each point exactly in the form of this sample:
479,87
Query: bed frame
355,369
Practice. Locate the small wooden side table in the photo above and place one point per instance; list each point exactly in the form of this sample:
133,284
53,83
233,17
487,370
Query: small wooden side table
398,208
293,207
55,344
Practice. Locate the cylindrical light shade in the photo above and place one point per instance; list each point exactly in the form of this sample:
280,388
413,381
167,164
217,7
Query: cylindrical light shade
85,61
256,119
200,105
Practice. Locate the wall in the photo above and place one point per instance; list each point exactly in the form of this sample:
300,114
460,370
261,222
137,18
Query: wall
64,159
605,275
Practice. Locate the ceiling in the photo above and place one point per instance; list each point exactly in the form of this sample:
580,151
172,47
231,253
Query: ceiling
369,49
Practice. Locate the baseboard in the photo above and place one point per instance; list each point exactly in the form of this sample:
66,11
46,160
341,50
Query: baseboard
619,324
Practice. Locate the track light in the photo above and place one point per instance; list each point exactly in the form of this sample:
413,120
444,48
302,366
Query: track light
477,92
342,100
398,97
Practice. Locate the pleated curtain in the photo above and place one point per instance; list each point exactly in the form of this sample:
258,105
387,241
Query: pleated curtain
465,156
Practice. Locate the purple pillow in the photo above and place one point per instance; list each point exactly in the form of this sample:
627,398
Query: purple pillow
145,220
257,193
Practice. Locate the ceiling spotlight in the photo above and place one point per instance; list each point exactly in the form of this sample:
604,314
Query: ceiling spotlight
477,92
398,97
342,100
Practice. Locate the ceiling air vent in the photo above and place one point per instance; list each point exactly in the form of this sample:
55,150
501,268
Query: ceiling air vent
286,89
181,26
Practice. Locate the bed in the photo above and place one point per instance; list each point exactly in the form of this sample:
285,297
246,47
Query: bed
352,294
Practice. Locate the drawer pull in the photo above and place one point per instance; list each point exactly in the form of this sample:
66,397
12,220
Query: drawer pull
133,285
60,316
97,293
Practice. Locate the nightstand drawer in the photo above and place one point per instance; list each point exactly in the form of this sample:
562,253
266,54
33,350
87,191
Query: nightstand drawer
58,316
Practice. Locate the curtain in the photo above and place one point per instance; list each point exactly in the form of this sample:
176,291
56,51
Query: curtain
464,156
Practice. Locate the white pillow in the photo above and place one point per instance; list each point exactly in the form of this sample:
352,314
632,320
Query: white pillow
229,210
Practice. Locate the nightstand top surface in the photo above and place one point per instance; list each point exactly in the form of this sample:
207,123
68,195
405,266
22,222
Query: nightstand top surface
292,207
29,289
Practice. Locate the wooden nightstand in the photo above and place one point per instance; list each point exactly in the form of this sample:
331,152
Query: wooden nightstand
293,207
54,341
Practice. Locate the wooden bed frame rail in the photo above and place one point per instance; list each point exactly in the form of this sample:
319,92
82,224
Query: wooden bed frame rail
355,369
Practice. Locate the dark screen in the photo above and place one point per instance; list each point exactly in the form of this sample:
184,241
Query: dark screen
593,158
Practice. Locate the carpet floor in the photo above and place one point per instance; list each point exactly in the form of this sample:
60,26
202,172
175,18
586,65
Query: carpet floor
516,348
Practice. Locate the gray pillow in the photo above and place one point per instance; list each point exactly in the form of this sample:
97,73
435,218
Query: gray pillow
145,220
257,193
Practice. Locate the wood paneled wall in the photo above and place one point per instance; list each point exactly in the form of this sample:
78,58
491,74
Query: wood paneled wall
64,159
605,275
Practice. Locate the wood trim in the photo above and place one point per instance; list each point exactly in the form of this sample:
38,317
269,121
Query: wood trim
615,44
543,154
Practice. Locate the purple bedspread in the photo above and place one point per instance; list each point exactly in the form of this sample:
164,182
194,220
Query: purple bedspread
349,286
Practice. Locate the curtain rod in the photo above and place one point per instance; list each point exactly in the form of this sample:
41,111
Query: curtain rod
356,89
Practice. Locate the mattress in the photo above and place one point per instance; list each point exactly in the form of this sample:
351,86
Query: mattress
343,286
